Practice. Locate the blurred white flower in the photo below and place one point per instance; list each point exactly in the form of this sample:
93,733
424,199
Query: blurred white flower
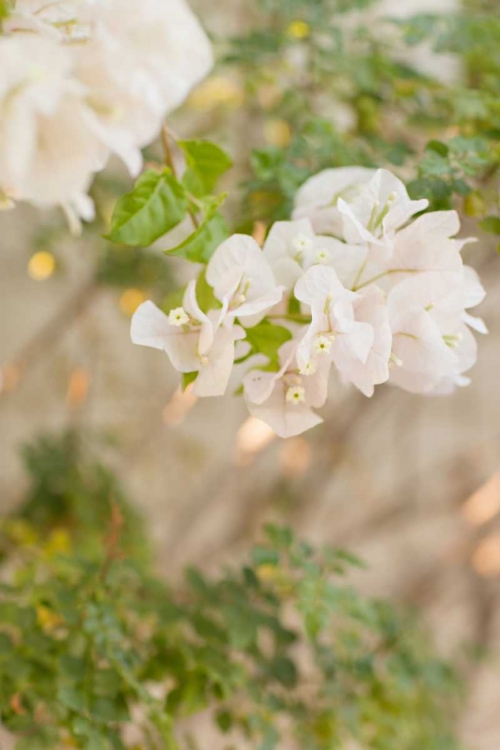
48,151
96,77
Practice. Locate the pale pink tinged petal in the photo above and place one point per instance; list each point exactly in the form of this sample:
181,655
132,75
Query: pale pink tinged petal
324,220
346,260
305,347
190,303
150,326
318,284
474,290
373,310
477,324
287,272
286,419
424,357
466,350
402,208
316,386
259,385
402,213
419,254
228,286
318,196
440,294
355,339
466,353
434,224
182,348
326,186
214,374
354,230
239,252
208,324
251,313
286,354
280,240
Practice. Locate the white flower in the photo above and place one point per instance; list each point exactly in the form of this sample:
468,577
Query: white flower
292,247
96,77
465,349
380,207
286,400
48,152
334,330
431,339
140,63
474,294
242,279
426,245
57,19
370,308
318,197
154,51
193,340
422,356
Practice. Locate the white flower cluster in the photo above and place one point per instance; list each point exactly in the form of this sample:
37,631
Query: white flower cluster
385,299
82,79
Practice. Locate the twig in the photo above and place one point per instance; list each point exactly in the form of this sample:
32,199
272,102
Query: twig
112,541
51,332
169,161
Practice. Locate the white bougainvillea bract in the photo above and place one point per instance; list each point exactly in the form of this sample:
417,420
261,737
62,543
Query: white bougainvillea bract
386,300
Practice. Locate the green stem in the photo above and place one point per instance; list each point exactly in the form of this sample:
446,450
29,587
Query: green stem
381,276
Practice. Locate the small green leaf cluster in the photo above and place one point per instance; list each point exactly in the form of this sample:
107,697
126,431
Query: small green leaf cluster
98,653
362,71
161,201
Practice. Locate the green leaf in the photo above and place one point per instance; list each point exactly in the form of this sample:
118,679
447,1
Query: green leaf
156,205
439,147
266,338
224,721
72,698
200,246
491,224
188,378
284,671
265,556
206,164
205,294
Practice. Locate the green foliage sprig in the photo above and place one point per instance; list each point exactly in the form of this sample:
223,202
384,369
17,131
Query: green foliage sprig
97,652
398,113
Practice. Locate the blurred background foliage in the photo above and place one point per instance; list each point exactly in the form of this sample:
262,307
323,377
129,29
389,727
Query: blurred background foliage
98,652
